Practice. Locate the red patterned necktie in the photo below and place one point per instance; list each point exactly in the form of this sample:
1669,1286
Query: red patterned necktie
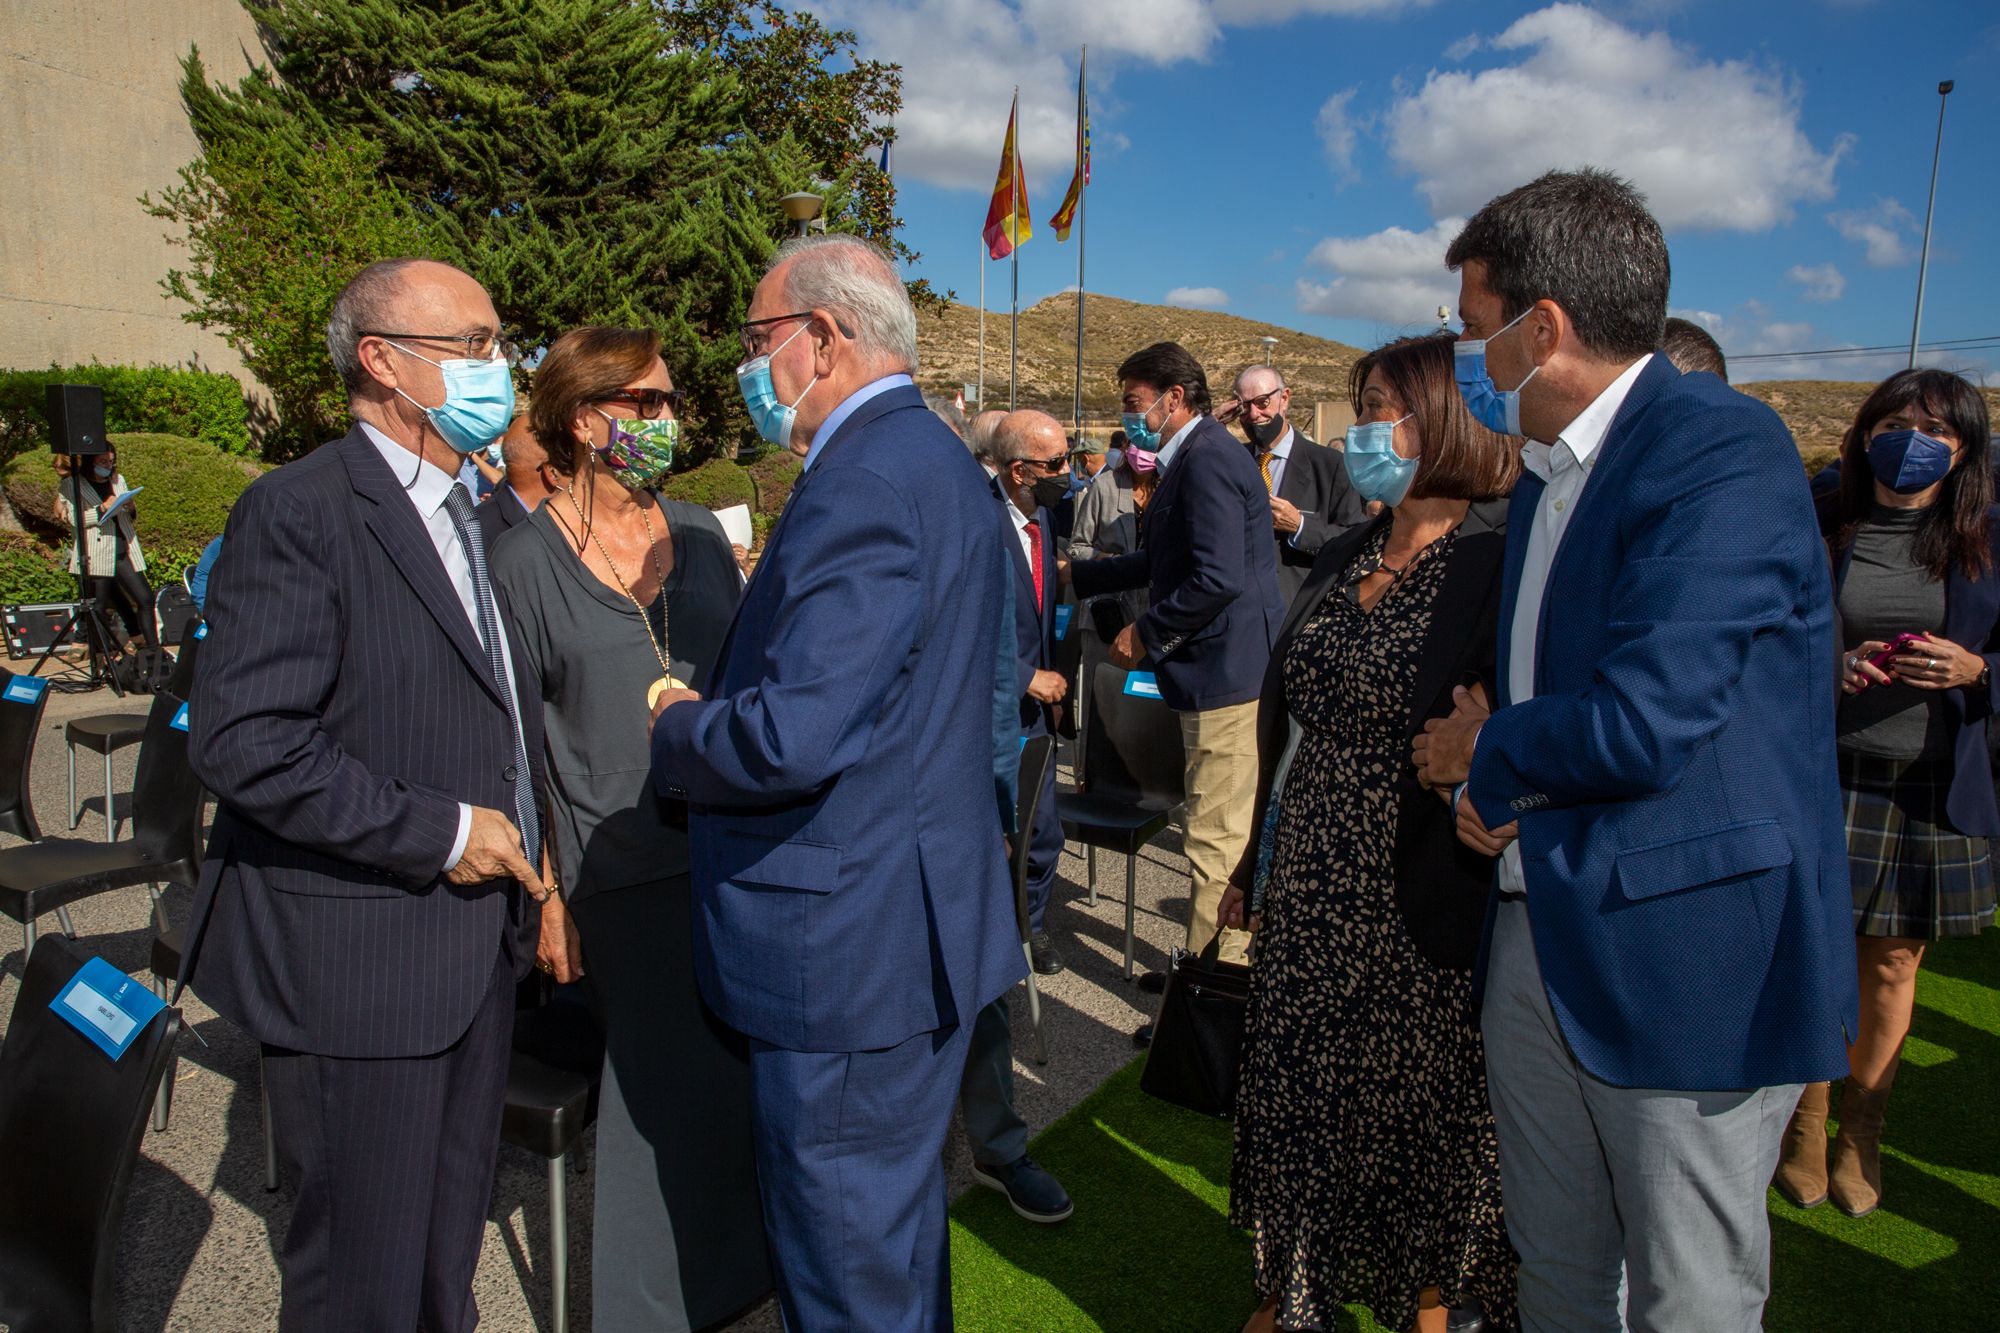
1035,559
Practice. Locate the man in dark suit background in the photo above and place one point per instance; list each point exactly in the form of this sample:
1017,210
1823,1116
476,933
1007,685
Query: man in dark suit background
361,909
512,501
1211,570
853,912
1311,500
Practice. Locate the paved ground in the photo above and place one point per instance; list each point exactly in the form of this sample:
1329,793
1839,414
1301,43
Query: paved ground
200,1228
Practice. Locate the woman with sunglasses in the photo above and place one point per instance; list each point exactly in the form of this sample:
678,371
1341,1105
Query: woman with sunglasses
616,593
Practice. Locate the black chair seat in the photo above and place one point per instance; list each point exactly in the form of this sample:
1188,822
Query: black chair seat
105,732
41,876
1114,823
547,1109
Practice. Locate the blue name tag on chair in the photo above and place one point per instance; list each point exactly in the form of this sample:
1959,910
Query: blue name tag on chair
105,1005
1142,685
180,722
25,690
1063,617
201,630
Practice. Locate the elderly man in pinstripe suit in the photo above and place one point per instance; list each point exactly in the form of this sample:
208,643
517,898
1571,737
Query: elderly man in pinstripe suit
362,910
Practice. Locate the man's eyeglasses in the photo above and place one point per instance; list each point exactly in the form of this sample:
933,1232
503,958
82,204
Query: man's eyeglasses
650,402
1048,465
752,334
1261,402
479,346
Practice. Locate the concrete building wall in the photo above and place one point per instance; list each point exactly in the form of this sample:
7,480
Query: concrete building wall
90,119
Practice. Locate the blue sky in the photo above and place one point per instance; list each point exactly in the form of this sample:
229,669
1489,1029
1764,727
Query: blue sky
1306,161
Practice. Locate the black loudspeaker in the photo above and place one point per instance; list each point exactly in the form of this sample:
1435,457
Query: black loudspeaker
30,629
76,419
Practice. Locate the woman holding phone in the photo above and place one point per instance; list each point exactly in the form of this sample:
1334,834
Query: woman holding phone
1917,580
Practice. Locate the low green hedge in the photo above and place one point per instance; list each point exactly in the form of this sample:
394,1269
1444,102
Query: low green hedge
33,571
190,488
153,400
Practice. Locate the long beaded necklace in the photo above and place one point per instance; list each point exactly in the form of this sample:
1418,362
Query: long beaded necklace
667,680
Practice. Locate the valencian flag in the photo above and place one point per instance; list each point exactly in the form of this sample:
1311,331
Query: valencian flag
1007,223
1067,213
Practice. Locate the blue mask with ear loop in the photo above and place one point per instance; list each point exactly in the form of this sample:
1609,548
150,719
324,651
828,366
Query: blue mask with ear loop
478,401
773,419
1497,409
1908,461
1140,435
1377,471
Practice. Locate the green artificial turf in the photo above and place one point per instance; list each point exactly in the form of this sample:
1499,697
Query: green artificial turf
1150,1249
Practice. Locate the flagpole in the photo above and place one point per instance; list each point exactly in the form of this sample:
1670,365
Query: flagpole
982,325
1082,209
1014,339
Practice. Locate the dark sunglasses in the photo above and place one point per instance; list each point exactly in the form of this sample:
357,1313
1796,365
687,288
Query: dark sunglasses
650,401
1049,465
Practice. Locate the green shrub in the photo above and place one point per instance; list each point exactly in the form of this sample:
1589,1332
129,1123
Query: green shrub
190,488
716,484
31,571
151,400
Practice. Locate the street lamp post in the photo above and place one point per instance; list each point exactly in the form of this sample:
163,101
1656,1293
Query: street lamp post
1924,259
1270,346
801,208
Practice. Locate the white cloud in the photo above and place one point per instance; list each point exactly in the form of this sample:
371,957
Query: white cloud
1881,231
1464,46
1822,282
1711,143
1198,298
962,60
1395,276
1762,348
1337,131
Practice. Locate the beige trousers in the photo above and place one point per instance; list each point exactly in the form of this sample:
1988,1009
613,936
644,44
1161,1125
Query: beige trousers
1221,746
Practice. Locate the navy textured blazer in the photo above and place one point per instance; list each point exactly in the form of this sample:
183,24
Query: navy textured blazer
850,882
343,709
1673,775
1212,571
1972,621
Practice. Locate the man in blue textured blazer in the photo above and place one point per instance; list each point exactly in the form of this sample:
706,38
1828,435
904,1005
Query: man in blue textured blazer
1669,953
852,908
1212,572
361,910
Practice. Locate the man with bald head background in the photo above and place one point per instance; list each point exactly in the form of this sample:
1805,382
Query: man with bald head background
853,911
1311,500
361,910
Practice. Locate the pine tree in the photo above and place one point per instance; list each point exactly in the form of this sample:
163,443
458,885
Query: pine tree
553,148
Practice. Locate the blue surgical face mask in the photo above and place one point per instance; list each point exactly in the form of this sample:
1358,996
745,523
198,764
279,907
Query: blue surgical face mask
1140,435
478,401
1497,409
1377,471
1908,461
773,419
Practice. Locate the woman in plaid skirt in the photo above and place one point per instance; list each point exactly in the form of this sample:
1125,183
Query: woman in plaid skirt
1917,576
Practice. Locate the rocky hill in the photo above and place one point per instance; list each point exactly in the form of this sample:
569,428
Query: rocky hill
1818,411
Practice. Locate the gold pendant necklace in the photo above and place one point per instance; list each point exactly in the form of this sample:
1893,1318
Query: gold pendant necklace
668,680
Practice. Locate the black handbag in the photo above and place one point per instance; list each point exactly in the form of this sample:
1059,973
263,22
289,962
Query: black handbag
1198,1037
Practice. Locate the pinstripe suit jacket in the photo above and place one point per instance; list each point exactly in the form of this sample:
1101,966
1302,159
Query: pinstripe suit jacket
343,710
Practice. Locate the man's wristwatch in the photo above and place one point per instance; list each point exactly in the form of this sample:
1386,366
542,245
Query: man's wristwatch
1985,680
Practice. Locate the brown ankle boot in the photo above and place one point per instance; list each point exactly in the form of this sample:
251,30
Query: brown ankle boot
1854,1178
1801,1175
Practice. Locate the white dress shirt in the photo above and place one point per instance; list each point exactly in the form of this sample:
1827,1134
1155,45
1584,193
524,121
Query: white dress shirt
1165,458
1281,454
1021,521
427,494
1564,467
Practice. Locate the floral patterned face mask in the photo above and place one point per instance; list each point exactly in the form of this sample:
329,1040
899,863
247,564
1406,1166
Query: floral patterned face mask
639,451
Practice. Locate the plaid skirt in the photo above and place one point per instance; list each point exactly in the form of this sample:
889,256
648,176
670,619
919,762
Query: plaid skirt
1915,877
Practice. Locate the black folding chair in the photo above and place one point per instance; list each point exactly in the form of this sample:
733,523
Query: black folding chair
551,1101
165,848
1036,756
70,1124
1134,779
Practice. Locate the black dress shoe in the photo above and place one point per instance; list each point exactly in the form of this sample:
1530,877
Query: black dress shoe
1153,983
1143,1037
1042,951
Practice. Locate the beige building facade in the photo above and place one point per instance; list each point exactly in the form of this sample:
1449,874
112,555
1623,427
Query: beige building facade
90,119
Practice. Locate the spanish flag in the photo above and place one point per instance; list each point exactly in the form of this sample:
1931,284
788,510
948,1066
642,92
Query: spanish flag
1067,213
1007,222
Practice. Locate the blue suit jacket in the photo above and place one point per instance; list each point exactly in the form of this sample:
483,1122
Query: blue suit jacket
1212,571
850,881
1674,775
1972,621
1034,630
343,709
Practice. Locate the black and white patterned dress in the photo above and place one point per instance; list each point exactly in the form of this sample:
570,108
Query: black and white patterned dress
1366,1163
